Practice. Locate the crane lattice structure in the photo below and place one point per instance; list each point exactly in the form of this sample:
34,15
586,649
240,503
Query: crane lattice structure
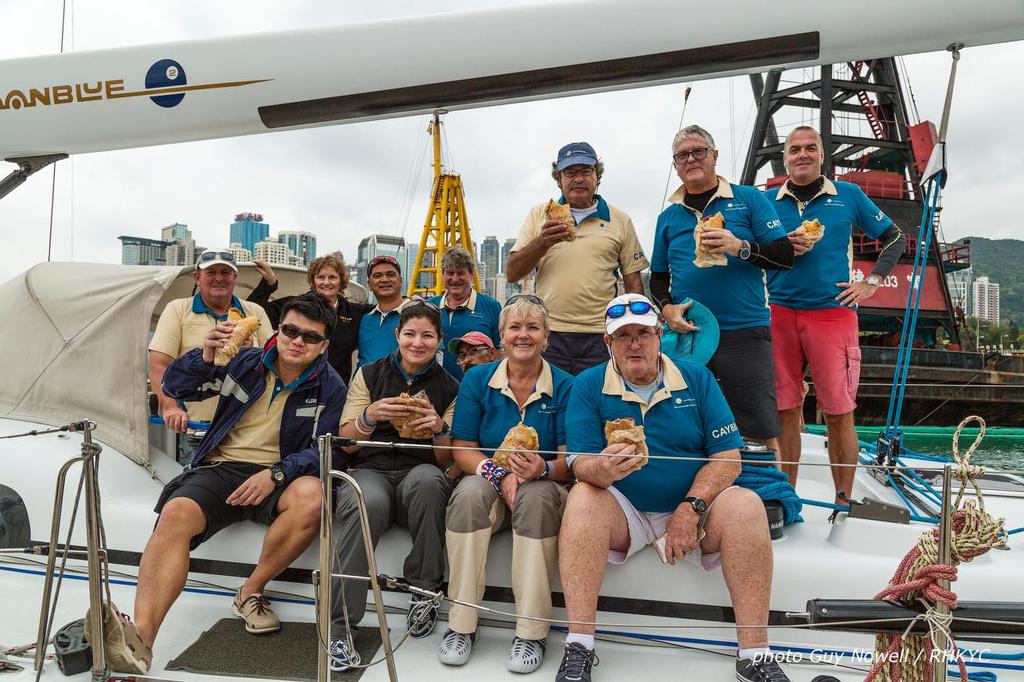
446,226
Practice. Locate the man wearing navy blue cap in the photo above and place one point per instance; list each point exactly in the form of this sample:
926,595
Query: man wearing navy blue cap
576,262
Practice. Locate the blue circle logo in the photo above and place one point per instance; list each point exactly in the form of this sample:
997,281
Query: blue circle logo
166,73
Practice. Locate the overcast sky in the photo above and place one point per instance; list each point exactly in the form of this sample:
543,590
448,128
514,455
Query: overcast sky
348,181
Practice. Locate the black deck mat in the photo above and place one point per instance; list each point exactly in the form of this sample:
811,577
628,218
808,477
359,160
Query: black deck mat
288,654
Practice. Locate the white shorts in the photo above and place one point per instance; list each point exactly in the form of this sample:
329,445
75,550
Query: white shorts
646,527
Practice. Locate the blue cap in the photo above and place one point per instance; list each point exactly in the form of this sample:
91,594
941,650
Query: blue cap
575,153
696,346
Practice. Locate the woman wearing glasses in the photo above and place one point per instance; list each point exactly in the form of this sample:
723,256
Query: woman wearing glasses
328,276
522,388
403,485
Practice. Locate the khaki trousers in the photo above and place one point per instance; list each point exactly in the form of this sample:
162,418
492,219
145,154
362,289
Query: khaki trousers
474,513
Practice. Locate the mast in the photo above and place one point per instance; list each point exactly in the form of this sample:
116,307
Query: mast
446,225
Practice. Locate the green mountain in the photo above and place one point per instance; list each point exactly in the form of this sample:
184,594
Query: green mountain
1000,260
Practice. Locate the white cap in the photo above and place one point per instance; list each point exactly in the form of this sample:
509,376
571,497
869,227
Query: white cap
648,319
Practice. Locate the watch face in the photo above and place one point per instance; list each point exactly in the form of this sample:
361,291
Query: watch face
277,475
700,506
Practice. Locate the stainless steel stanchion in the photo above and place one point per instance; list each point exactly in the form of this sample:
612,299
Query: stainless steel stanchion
323,578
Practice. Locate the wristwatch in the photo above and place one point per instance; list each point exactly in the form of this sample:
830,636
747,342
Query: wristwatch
277,473
745,250
873,279
444,430
699,505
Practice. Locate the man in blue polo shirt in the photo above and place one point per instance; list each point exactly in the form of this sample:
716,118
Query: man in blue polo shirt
184,324
377,328
813,305
463,309
689,509
751,241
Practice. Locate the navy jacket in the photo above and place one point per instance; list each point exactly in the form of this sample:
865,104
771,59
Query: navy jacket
311,410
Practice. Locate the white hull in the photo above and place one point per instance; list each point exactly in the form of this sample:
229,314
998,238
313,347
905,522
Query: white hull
851,559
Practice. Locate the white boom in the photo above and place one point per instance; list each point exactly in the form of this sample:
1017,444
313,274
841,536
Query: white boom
176,92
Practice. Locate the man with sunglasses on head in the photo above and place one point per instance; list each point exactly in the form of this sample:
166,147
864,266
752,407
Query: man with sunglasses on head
258,461
577,265
184,324
377,327
751,241
682,499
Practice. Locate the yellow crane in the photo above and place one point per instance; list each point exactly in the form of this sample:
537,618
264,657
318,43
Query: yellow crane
446,226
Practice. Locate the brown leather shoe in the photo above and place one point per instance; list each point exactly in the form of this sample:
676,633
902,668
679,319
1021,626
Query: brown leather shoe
256,612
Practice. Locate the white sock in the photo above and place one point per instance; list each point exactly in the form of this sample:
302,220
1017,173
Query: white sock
755,652
586,640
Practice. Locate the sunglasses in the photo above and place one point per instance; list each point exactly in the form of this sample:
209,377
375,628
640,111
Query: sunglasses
377,260
207,256
636,307
537,300
310,337
415,301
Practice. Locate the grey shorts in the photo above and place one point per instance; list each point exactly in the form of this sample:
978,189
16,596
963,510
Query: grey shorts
645,528
745,368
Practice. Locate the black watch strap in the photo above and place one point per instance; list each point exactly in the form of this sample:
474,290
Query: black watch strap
277,474
699,505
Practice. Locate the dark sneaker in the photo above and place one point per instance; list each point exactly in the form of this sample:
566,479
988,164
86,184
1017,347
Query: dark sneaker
576,663
455,648
421,617
343,657
526,655
760,669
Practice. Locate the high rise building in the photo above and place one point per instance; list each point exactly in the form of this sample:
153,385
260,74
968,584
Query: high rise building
380,245
273,252
301,244
142,251
241,254
248,229
500,288
181,248
296,261
506,250
490,254
986,300
960,284
175,232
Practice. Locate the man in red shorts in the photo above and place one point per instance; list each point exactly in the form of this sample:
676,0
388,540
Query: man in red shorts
813,305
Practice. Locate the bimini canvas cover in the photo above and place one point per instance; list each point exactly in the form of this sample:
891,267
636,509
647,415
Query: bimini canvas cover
80,347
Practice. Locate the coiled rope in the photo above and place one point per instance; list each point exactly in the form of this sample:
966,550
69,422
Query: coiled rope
909,658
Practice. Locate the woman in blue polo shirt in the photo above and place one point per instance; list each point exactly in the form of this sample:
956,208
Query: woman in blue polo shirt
492,399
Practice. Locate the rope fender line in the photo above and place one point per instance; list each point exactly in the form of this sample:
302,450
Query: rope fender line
910,658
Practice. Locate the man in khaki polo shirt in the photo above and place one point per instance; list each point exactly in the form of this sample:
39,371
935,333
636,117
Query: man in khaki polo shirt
577,265
184,324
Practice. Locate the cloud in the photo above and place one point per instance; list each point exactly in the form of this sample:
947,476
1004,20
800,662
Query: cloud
348,181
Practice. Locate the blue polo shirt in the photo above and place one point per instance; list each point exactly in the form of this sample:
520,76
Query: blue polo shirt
377,335
839,207
736,292
486,408
478,314
687,417
199,307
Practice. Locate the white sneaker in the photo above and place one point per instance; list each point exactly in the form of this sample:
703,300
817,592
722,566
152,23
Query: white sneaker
342,657
526,655
456,648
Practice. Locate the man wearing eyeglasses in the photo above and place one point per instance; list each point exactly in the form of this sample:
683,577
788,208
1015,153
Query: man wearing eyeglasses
577,265
184,324
258,462
814,316
474,348
682,499
751,241
377,327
